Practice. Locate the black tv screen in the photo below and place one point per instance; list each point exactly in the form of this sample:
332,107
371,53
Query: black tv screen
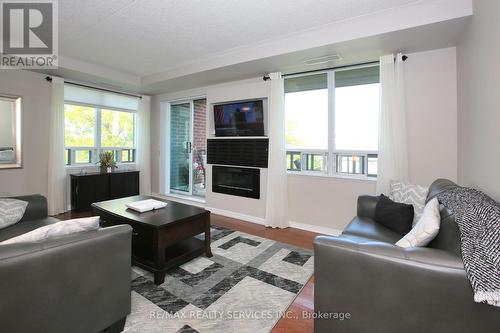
239,119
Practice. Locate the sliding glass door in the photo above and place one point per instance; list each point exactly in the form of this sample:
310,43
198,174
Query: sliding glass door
180,150
187,136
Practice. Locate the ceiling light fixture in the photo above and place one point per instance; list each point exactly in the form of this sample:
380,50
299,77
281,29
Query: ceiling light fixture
323,60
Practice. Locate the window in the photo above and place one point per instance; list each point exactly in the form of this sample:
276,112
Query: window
332,122
92,128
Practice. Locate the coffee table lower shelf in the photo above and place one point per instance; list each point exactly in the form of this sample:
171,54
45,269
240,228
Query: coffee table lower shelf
175,255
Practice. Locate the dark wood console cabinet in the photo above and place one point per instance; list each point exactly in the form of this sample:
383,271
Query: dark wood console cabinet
94,187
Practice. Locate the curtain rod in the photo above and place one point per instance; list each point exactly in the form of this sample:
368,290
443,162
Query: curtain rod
49,79
266,77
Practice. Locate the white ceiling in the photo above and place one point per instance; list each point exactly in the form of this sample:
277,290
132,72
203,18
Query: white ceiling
145,37
156,46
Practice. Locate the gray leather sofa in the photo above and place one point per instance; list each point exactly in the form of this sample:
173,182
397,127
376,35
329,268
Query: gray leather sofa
77,283
385,288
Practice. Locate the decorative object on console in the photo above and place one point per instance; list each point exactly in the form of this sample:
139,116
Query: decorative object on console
426,229
394,215
55,230
11,211
107,162
409,194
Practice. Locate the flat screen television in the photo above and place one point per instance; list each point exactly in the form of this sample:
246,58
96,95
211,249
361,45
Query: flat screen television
239,119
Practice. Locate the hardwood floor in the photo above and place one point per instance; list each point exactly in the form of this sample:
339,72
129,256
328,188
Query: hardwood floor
295,321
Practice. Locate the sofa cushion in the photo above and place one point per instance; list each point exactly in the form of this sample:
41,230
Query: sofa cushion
368,228
22,228
394,215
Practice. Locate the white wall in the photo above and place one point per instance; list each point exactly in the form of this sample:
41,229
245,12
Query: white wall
35,92
328,204
479,100
431,105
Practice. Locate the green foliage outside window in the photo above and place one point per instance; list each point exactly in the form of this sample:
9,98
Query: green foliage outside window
90,131
117,129
79,126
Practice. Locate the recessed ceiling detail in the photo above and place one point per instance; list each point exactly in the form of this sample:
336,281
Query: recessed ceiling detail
152,46
148,37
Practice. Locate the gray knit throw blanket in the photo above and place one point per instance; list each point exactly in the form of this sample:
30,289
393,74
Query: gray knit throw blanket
478,217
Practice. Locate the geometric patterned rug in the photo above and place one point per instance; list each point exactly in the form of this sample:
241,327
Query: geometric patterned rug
245,287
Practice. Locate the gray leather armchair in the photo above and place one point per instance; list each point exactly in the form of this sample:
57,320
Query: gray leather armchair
76,283
386,288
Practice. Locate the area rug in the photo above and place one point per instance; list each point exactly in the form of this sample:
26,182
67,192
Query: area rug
245,287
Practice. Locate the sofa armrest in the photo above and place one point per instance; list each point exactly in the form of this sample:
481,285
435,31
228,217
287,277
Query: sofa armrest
366,205
36,209
76,283
394,289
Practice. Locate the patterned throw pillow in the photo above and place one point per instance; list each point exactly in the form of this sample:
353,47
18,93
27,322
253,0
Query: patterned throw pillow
11,211
409,194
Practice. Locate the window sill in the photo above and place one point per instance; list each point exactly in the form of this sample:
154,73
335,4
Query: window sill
337,176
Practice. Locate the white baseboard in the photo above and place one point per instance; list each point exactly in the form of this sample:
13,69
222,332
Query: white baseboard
261,221
250,218
315,228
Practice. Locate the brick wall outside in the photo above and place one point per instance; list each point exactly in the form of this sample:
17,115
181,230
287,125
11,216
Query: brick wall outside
200,138
200,117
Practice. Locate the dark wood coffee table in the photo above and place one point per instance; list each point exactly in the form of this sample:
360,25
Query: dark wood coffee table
163,238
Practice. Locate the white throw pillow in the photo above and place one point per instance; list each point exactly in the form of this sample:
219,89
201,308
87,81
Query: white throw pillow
409,194
11,211
55,230
426,228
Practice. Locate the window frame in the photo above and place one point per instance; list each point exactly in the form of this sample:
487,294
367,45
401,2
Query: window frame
331,154
98,148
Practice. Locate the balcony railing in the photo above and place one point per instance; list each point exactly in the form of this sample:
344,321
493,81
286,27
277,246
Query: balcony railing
357,164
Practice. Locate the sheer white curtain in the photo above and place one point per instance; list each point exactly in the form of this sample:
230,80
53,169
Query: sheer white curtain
392,151
56,194
277,196
144,145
